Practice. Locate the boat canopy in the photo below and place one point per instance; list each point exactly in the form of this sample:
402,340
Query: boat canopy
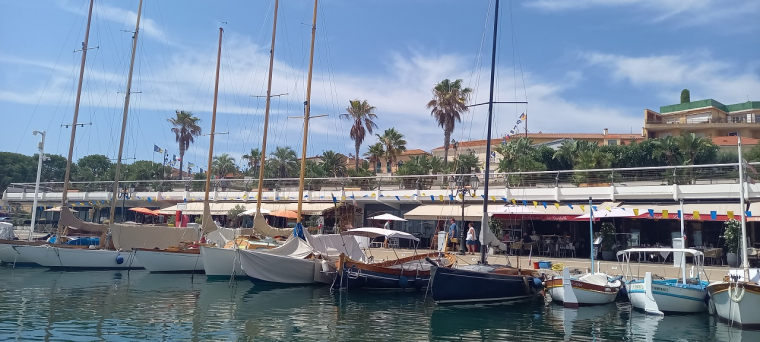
375,232
693,252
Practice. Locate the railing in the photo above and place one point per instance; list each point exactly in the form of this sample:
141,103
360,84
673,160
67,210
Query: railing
662,175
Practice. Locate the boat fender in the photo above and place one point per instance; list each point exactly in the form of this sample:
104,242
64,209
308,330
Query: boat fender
537,283
119,259
325,266
403,281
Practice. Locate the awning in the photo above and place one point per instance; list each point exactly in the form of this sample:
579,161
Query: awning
472,212
145,211
218,208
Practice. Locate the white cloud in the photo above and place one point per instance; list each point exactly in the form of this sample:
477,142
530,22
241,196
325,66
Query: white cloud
121,16
668,74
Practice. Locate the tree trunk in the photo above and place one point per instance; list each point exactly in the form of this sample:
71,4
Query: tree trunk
446,142
181,160
356,156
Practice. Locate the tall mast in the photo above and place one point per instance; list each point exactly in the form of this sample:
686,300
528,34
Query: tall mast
306,113
484,224
207,222
117,176
266,112
67,176
743,245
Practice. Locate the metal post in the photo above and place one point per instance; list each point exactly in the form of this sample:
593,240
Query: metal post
484,220
743,245
591,231
462,247
123,202
683,245
37,183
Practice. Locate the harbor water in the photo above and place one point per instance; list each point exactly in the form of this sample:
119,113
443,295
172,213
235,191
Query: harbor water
38,304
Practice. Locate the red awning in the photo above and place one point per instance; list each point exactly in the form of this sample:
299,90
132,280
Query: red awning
538,217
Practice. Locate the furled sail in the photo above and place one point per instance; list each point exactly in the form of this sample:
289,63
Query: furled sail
487,237
208,223
261,226
69,220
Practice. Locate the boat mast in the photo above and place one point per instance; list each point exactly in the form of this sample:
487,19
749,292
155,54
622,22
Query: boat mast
117,176
484,224
207,221
683,245
743,245
591,230
266,113
306,113
67,175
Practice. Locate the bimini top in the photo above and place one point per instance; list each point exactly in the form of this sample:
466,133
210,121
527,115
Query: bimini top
693,252
375,232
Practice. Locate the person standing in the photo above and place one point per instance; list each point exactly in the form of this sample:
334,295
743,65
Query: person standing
452,230
387,225
471,241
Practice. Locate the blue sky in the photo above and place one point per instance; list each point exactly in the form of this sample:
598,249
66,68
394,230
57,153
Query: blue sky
583,65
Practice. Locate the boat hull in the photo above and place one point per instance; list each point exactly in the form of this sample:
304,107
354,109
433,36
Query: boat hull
157,261
383,276
282,269
11,256
451,285
585,293
79,258
221,262
743,310
669,298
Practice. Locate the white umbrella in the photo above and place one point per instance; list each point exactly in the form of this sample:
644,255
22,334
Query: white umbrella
375,232
59,209
252,212
613,212
387,217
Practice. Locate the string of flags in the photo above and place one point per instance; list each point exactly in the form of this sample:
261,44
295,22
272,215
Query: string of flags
520,120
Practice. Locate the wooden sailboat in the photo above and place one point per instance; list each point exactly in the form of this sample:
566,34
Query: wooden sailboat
736,299
483,282
113,253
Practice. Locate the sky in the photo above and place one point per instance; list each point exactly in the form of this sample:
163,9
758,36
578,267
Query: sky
581,65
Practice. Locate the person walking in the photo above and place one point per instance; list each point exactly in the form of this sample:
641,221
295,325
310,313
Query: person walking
471,240
452,232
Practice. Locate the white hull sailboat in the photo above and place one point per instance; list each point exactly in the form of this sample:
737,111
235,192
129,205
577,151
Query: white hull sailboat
586,289
295,262
170,261
52,256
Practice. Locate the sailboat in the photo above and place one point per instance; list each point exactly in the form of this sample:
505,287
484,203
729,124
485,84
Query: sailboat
484,282
224,261
587,289
736,298
116,240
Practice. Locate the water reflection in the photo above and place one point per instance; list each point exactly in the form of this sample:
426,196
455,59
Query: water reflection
41,305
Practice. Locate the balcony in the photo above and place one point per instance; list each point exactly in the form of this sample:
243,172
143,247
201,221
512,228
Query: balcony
717,123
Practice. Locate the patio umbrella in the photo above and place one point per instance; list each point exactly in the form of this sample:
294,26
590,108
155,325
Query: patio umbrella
285,213
142,210
375,232
59,209
387,217
252,212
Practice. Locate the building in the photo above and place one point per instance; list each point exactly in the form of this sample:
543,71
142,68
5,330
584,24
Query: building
384,167
705,118
729,144
553,140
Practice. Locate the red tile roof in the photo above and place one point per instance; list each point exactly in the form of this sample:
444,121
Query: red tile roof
733,141
413,152
600,136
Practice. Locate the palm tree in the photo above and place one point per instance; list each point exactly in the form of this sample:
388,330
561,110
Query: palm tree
667,148
223,165
360,113
394,144
692,146
448,103
333,163
254,160
284,160
185,129
374,154
466,163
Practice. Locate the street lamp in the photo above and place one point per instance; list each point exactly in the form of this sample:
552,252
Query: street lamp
124,195
458,188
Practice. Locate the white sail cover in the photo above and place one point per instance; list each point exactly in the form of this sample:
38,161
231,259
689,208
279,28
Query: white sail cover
126,237
284,264
208,223
261,226
334,244
487,238
6,231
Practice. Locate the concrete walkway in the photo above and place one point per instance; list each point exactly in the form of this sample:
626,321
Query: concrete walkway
612,268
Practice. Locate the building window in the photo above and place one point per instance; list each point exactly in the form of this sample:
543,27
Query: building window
733,134
378,166
388,166
612,142
699,118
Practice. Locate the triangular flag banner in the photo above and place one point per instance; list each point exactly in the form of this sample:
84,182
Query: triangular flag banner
713,215
513,201
373,194
679,214
593,207
440,197
535,204
505,200
651,212
432,198
664,214
461,197
451,198
730,215
381,195
423,194
570,206
583,208
544,204
525,203
398,199
493,198
335,200
635,212
749,214
342,198
696,215
556,205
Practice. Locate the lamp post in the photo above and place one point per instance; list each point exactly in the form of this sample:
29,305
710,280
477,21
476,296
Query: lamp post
458,188
41,147
124,195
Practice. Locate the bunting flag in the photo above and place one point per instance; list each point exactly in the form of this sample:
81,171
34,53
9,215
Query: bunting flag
335,200
525,203
343,198
593,207
570,206
398,199
373,194
432,199
519,121
730,215
407,196
440,197
696,215
749,214
513,201
664,213
451,198
651,212
556,205
461,197
493,198
583,208
505,200
679,214
635,212
714,215
423,194
535,204
544,204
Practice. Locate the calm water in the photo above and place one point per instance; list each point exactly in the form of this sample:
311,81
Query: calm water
37,305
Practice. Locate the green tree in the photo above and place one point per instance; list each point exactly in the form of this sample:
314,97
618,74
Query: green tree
199,182
333,163
394,144
685,96
16,168
417,165
466,163
314,170
185,130
95,167
667,149
54,169
223,165
254,161
696,150
283,162
436,165
361,115
234,214
448,103
374,155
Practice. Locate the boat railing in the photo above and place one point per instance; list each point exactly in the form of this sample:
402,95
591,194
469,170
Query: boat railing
624,257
